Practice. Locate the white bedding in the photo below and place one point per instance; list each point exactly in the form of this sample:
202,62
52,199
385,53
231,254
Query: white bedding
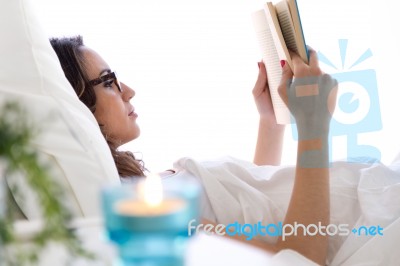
362,194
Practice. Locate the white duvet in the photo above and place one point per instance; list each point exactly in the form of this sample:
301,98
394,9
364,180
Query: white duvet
362,194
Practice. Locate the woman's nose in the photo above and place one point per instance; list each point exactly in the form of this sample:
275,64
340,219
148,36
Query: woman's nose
128,92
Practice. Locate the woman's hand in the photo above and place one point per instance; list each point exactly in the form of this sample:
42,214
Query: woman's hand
262,95
310,96
270,134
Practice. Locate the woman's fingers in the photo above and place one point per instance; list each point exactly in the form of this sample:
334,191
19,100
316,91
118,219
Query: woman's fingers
287,76
261,82
312,57
301,69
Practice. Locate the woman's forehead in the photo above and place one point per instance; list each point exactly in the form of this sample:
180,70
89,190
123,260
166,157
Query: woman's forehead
94,63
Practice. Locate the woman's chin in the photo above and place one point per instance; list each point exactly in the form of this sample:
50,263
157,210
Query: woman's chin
135,134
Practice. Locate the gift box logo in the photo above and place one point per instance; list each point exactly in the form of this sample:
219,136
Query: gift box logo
357,110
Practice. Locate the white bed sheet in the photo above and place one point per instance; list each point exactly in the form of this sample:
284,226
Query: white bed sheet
362,194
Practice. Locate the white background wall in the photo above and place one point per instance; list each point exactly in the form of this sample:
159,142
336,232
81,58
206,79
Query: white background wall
193,65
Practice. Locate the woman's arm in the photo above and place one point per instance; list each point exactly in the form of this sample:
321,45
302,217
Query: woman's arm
270,134
309,204
311,99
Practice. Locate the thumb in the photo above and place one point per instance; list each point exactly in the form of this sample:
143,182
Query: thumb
286,79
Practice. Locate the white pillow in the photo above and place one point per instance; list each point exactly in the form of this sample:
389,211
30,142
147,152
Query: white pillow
70,137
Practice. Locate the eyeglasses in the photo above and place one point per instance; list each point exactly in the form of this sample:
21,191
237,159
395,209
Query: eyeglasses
110,77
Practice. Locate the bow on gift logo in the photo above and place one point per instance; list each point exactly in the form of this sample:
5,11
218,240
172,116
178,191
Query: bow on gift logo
357,110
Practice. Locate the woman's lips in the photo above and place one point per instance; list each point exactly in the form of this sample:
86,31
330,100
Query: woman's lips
133,114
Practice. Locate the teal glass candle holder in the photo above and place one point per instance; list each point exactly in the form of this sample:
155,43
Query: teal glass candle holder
150,237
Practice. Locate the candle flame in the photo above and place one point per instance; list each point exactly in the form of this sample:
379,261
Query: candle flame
152,190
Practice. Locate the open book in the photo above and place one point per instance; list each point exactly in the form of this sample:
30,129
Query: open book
278,28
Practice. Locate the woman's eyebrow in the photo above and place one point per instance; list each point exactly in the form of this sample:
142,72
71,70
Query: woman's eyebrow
104,71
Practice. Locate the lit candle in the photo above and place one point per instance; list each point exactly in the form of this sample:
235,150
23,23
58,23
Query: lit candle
148,220
150,200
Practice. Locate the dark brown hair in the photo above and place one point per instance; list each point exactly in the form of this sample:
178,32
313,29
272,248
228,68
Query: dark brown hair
72,63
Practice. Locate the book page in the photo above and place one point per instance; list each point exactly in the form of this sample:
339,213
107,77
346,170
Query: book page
272,64
276,32
286,24
289,20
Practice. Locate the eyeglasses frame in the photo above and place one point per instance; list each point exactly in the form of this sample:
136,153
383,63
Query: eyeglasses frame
104,78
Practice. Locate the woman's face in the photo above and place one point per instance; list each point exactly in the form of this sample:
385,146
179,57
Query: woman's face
113,110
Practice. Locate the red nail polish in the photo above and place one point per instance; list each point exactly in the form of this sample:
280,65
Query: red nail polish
283,62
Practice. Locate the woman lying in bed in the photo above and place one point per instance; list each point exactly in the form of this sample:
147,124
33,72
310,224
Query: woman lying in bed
98,87
78,63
